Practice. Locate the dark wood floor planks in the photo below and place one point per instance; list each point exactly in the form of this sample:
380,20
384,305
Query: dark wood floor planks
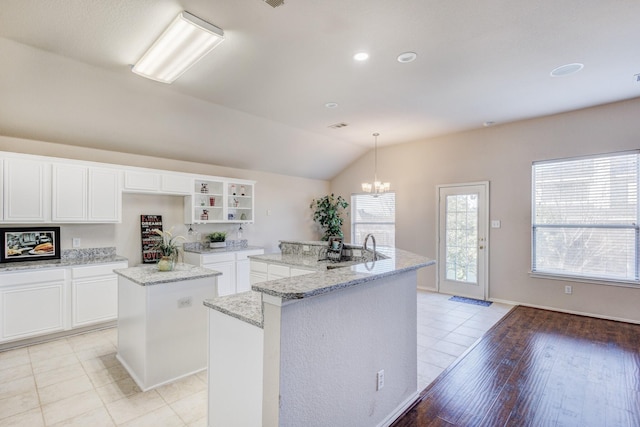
539,368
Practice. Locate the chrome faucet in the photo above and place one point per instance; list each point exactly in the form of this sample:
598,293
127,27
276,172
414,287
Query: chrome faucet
366,240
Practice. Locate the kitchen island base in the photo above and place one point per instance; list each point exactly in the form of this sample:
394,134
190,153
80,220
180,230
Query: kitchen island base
162,329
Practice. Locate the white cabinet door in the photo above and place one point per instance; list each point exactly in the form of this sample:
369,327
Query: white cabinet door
226,282
69,193
243,276
94,294
104,195
26,191
176,184
138,181
32,310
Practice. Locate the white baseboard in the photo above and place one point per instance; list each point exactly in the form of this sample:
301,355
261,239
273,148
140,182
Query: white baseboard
580,313
399,410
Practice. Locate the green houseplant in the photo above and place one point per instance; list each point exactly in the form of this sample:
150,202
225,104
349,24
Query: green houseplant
327,213
217,239
169,249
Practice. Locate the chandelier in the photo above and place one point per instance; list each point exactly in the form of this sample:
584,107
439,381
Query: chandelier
377,187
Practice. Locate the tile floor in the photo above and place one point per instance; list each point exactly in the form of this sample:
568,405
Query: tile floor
77,381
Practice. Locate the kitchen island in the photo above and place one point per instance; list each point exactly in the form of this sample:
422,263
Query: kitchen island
338,346
162,325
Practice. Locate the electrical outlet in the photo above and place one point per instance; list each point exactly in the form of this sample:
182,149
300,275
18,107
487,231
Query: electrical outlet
75,242
568,290
184,302
305,248
356,252
380,378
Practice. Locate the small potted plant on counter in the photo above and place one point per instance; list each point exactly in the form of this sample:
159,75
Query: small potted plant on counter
217,239
169,249
327,213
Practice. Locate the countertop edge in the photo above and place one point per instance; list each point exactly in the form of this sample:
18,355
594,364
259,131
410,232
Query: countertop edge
236,306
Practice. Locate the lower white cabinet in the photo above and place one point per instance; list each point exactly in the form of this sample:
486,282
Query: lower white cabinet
234,266
263,271
33,303
94,294
49,300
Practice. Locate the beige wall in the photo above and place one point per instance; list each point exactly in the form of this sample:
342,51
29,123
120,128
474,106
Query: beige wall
502,155
287,198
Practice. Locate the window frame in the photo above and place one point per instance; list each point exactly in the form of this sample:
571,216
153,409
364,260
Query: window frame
570,276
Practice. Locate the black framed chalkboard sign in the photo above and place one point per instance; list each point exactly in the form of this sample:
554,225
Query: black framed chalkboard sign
149,223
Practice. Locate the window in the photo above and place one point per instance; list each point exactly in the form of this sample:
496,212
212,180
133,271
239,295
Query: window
585,217
375,215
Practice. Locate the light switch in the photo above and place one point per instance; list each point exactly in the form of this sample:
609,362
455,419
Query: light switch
495,223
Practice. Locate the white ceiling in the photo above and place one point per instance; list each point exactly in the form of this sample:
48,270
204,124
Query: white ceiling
257,101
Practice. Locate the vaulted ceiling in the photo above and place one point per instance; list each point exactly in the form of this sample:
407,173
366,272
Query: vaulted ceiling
258,100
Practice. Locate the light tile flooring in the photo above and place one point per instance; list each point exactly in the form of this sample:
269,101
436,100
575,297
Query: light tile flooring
77,381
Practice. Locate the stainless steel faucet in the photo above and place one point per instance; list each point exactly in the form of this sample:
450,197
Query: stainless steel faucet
366,240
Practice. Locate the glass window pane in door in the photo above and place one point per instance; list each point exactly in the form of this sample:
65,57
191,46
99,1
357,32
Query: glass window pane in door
462,237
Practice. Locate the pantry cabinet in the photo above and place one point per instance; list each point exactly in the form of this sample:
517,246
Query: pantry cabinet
26,193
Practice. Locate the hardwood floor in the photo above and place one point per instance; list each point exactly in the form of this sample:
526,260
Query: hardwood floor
539,368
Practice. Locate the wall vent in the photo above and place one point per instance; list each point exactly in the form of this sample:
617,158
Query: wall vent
338,125
274,3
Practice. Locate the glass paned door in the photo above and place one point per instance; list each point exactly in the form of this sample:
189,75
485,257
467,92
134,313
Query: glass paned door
462,243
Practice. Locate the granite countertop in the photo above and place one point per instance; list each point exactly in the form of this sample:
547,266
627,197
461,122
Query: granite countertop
69,258
150,275
339,278
246,306
204,250
302,261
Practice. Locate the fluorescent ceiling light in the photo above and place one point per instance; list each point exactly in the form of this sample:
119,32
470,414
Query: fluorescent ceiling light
182,44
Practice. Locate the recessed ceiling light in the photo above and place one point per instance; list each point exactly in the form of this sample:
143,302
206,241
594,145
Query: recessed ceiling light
565,70
407,57
331,105
488,123
361,56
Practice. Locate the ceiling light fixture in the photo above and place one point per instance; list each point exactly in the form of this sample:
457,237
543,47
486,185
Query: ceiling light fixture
565,70
331,105
186,40
407,57
361,56
377,187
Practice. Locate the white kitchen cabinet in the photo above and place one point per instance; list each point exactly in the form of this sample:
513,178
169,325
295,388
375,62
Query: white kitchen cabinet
258,271
32,303
94,294
26,190
277,271
158,182
85,194
243,269
233,265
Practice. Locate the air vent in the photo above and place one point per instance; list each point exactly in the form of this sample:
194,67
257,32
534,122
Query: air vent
338,125
274,3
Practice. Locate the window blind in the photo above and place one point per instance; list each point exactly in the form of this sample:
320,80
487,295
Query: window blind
376,215
585,217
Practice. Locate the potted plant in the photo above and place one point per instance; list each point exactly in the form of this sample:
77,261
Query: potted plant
169,249
217,239
327,213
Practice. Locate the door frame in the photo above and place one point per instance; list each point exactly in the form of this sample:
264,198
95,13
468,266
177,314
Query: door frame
485,275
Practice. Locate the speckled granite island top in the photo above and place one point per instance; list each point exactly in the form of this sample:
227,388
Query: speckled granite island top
150,275
302,261
322,282
246,306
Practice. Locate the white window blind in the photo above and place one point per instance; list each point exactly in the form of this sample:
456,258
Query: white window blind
585,217
375,215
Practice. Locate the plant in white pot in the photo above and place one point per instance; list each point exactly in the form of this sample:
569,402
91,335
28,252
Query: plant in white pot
217,239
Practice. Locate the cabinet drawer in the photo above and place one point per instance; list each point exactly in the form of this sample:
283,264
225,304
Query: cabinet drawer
259,267
96,270
209,258
246,254
31,277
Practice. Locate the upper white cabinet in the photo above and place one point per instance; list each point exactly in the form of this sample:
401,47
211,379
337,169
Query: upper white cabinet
140,181
220,200
26,190
85,194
